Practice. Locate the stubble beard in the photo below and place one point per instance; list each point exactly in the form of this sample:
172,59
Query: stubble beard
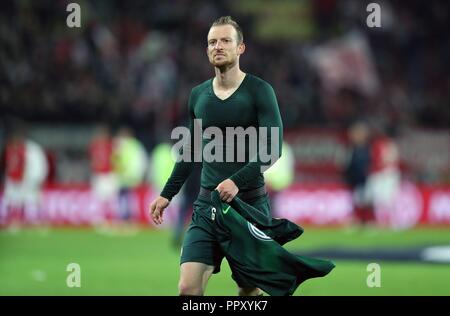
223,66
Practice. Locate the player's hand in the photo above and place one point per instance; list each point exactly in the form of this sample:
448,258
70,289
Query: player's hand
227,190
157,209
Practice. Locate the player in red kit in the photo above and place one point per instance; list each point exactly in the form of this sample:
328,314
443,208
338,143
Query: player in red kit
384,178
14,171
26,169
103,179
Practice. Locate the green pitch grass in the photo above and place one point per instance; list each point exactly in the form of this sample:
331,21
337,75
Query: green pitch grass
143,262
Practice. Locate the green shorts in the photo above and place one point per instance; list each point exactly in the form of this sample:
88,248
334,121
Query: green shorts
200,243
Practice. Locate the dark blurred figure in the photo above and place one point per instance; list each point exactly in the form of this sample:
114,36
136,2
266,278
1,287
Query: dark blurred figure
190,194
357,171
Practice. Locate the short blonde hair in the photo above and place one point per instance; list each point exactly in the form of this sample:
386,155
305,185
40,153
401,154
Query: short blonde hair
228,20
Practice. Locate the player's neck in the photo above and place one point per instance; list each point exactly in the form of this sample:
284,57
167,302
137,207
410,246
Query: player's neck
229,78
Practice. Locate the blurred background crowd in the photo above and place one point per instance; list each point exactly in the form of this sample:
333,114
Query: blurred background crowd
136,61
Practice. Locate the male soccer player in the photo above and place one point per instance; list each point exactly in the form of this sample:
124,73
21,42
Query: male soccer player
232,98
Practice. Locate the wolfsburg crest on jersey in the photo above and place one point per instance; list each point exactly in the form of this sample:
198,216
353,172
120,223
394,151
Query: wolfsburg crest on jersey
257,233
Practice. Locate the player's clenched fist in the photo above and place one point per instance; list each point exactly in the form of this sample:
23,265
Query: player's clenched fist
227,190
157,209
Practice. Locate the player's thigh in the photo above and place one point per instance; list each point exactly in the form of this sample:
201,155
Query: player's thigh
195,275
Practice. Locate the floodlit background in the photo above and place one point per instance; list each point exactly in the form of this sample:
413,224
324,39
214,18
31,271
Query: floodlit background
86,115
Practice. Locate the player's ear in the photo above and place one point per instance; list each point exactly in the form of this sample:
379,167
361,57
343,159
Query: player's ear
241,48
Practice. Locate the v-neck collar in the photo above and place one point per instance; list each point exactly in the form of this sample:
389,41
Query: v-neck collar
231,95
